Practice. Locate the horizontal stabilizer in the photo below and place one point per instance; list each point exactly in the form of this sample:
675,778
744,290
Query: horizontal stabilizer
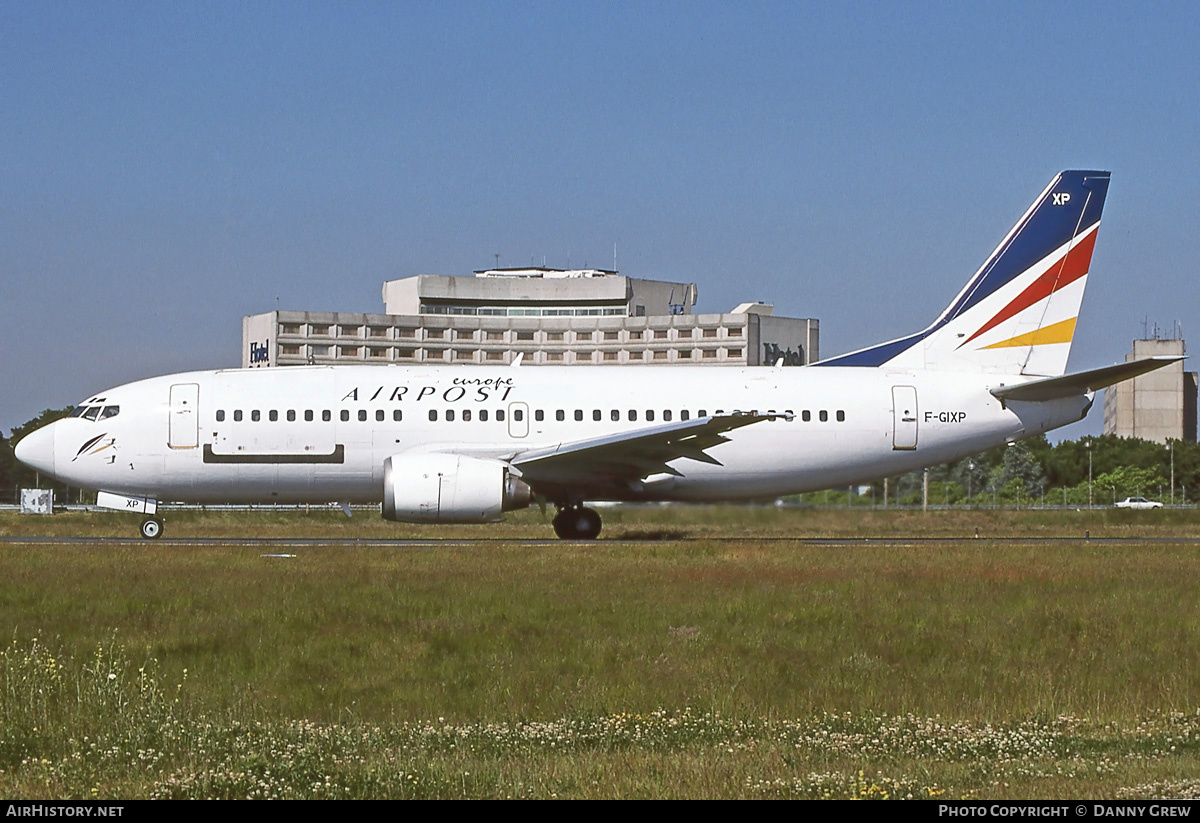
1073,385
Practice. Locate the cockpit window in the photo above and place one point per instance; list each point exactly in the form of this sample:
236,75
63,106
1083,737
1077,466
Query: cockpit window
110,411
79,410
92,412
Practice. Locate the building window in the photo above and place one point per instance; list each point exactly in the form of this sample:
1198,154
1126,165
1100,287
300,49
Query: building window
289,328
610,356
736,331
495,355
661,334
348,331
635,355
635,335
320,331
710,332
554,336
612,335
348,351
464,334
524,335
406,354
378,331
376,352
406,333
556,356
734,352
709,354
685,354
289,349
660,355
319,351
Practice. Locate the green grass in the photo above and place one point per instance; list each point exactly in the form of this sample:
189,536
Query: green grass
656,668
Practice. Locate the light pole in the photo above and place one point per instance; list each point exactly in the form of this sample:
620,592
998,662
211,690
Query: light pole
1171,449
1089,448
970,477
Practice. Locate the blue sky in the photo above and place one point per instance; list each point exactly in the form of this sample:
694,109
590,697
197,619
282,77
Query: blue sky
166,169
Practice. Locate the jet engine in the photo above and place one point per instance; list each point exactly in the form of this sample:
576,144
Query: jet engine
449,488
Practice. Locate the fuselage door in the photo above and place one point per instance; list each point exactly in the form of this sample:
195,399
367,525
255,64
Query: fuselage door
904,418
184,432
518,420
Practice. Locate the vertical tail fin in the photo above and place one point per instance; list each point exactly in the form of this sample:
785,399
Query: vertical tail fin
1017,314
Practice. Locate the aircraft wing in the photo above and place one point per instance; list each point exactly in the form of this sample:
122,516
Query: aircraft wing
621,460
1073,385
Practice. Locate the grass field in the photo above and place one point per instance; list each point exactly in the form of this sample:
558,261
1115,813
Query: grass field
678,663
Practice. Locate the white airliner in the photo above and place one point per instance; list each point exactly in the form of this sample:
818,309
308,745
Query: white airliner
462,444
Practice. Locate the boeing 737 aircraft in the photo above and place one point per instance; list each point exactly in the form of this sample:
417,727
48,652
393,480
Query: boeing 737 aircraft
462,444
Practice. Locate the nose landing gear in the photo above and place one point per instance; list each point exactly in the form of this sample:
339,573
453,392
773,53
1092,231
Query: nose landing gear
151,528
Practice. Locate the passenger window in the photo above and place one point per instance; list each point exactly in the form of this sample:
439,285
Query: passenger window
806,415
220,415
596,415
824,415
362,415
499,415
379,415
702,413
579,415
684,415
308,415
666,415
450,415
615,415
649,415
255,415
433,415
483,415
466,415
326,416
632,415
518,415
273,416
237,415
291,415
539,415
345,415
560,415
397,415
841,416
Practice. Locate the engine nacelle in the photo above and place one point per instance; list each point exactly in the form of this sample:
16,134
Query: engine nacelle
449,488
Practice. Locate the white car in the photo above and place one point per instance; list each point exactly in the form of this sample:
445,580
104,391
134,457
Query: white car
1138,503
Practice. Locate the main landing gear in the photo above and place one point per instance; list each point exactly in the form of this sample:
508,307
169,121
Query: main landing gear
576,523
151,528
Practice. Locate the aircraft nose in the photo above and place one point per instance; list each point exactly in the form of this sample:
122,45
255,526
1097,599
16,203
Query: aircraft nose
36,449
